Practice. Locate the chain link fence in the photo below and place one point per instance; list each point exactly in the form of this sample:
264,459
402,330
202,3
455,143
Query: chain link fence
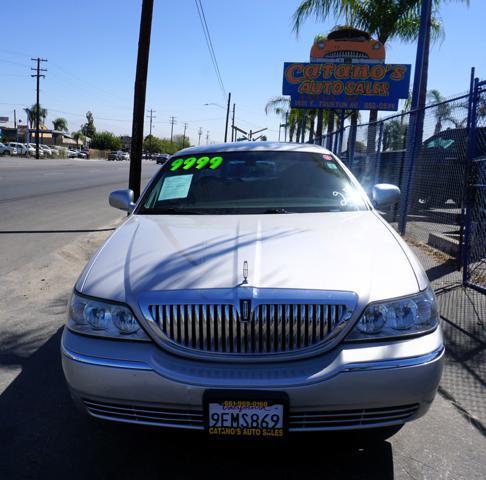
442,216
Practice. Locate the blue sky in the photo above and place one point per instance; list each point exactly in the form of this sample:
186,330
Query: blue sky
91,48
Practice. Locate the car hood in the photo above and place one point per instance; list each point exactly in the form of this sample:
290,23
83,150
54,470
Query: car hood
347,251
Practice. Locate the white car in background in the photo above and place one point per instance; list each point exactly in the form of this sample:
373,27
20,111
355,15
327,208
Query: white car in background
22,149
47,150
6,150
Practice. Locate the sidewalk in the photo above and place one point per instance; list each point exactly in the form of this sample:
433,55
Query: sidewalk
463,313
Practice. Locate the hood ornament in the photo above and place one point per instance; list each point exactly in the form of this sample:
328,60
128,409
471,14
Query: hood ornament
245,272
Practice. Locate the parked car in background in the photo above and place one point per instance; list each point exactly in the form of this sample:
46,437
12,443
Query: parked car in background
48,150
161,158
445,152
22,148
112,156
7,150
254,290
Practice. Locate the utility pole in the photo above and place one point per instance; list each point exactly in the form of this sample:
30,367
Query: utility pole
199,133
227,118
207,137
286,124
233,132
414,133
139,97
38,76
151,116
15,118
172,121
184,135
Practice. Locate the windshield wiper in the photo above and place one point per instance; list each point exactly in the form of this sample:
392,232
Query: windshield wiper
276,210
175,211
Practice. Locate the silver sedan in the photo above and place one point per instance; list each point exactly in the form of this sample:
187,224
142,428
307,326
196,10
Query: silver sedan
253,291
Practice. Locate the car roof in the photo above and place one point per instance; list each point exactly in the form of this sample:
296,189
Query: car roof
254,147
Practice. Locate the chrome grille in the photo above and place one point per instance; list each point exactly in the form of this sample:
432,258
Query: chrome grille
163,417
298,420
347,53
329,420
271,328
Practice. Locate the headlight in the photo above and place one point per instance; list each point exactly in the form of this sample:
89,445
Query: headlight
103,319
406,316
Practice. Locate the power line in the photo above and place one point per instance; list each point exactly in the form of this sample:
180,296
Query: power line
209,43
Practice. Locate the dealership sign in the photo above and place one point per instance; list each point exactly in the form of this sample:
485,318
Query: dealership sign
371,86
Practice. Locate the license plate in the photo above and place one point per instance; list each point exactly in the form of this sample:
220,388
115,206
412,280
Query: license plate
243,415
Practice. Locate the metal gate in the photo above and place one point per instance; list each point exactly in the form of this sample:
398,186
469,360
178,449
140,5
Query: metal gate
475,205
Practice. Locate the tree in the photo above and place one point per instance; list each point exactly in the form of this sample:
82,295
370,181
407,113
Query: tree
281,106
181,141
89,129
384,19
105,141
60,124
78,136
32,114
152,144
394,135
442,112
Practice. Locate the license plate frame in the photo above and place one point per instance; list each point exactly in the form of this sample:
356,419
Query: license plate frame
268,399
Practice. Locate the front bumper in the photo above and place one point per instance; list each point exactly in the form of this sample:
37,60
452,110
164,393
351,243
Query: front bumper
354,386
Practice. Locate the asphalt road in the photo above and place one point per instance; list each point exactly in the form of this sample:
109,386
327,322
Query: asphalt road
46,209
45,204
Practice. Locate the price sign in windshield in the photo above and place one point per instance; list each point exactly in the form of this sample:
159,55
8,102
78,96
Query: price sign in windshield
195,163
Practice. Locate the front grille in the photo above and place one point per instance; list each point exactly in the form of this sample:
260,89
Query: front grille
270,328
347,53
162,417
298,421
342,419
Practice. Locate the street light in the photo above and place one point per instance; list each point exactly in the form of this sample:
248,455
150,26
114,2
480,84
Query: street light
215,104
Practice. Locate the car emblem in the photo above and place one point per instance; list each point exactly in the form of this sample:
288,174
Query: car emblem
245,308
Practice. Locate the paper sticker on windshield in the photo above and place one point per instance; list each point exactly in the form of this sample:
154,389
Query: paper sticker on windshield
328,157
196,163
175,187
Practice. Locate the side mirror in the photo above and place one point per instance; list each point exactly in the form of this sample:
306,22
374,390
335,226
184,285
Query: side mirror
122,199
384,195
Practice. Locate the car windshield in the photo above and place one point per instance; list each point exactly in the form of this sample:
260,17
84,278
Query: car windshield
440,142
251,182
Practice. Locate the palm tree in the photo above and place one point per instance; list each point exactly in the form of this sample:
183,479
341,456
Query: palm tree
78,136
442,111
384,19
30,116
281,106
32,112
60,124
